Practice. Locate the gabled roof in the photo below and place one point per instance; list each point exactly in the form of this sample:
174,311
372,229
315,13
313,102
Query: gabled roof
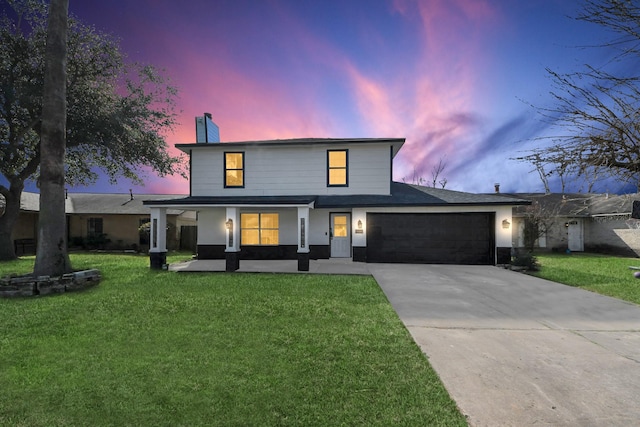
401,195
395,142
415,195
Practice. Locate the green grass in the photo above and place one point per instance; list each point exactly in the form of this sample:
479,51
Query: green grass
148,348
606,275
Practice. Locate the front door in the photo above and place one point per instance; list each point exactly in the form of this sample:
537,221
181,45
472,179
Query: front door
340,235
575,235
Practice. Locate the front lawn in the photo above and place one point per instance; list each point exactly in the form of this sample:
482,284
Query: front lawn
606,275
168,349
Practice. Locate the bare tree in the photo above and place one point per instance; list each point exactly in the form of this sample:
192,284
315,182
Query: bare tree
51,256
573,173
597,109
538,221
539,163
436,171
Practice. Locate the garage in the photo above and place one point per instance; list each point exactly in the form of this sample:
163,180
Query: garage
431,238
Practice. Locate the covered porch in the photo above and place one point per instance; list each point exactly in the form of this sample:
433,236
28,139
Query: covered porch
262,224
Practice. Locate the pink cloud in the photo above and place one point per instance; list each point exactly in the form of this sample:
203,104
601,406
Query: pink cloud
426,98
432,104
243,107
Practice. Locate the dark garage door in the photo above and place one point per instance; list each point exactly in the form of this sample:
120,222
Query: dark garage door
458,238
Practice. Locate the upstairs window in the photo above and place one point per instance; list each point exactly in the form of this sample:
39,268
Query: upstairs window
259,229
337,168
234,169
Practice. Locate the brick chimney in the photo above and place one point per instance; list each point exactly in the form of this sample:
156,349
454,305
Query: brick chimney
497,187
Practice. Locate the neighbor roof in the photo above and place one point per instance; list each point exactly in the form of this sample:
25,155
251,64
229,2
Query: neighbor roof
99,203
30,201
568,204
581,204
607,204
110,203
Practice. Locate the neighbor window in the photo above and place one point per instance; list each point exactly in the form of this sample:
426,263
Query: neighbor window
337,171
234,169
94,226
259,228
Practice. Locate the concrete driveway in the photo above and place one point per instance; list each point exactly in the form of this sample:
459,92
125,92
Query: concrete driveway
513,350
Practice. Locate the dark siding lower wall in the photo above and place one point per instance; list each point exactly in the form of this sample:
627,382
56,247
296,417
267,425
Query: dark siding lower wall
211,251
503,255
269,252
359,254
319,252
264,252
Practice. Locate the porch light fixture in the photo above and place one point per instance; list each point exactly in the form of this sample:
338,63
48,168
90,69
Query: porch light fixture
229,224
359,224
506,224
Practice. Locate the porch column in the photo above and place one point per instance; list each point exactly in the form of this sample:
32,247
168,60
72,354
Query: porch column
158,238
232,251
303,238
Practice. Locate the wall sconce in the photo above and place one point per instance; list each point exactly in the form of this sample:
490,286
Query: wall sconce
506,224
359,224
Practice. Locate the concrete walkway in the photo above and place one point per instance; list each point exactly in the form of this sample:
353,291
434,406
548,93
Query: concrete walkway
320,266
513,350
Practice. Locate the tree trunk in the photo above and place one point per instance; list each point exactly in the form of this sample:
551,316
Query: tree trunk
8,221
52,258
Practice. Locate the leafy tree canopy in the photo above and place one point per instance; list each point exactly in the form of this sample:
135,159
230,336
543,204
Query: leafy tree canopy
117,112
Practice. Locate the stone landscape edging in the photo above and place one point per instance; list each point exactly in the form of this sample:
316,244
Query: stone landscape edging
29,285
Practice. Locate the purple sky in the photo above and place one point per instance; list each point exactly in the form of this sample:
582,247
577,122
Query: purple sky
451,76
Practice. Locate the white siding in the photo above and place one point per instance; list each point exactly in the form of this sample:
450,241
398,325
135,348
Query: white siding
211,229
319,227
291,170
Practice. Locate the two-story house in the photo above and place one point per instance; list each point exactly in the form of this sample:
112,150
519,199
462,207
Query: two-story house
324,198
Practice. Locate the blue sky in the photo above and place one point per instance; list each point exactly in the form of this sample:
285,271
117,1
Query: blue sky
453,77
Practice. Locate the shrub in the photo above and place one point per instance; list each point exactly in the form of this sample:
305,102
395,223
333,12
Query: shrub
526,260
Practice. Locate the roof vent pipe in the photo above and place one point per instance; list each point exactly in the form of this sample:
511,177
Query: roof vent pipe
131,193
497,187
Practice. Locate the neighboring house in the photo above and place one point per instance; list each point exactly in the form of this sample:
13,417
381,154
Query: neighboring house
104,221
25,229
582,222
114,221
329,198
